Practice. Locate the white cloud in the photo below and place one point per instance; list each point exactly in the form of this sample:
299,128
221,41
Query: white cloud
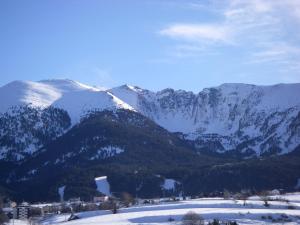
282,54
278,50
265,31
198,32
272,27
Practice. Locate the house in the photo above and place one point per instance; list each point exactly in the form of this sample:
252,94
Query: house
23,211
100,199
75,200
274,192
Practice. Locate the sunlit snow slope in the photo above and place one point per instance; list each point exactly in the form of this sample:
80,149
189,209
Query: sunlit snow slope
72,96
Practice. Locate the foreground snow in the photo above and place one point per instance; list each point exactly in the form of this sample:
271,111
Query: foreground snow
209,208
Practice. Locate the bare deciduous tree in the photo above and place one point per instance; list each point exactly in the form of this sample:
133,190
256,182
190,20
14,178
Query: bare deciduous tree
192,218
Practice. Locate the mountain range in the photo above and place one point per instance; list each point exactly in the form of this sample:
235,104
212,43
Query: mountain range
57,133
242,119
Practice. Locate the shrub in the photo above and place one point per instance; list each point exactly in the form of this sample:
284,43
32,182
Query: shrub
217,222
265,198
127,199
106,205
170,219
232,223
84,207
35,211
192,218
291,207
65,209
266,203
226,194
214,222
3,217
270,217
244,195
114,209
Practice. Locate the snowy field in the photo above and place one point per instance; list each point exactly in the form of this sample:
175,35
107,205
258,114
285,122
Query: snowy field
279,212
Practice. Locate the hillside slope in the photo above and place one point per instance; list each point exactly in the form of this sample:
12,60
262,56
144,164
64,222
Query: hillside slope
137,156
114,144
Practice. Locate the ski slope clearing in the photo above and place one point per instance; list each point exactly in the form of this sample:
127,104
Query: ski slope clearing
254,212
103,185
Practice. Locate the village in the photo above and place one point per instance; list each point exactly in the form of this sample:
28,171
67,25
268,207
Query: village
272,207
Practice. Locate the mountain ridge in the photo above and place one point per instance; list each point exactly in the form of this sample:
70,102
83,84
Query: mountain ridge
251,119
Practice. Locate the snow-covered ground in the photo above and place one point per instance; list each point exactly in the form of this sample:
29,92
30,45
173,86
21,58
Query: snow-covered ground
209,208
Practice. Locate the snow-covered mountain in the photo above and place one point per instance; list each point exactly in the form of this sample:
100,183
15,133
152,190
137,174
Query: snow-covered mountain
241,118
254,120
76,98
34,113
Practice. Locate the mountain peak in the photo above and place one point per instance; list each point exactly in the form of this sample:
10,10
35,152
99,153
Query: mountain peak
67,84
74,97
129,88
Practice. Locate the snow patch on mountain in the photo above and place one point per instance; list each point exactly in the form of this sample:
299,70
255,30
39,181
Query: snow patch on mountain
106,152
103,185
169,184
61,192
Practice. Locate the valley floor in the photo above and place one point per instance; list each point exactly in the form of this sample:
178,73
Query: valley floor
280,211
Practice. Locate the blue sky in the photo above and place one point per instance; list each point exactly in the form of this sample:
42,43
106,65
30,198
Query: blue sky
154,44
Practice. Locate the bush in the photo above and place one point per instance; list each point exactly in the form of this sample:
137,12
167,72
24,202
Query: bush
3,217
35,211
214,222
266,203
65,209
84,207
192,218
291,207
265,198
244,195
270,217
109,205
226,194
106,205
217,222
127,199
170,219
232,223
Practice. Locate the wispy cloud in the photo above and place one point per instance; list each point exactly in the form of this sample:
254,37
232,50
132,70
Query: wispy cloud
276,52
271,25
198,32
266,31
92,74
